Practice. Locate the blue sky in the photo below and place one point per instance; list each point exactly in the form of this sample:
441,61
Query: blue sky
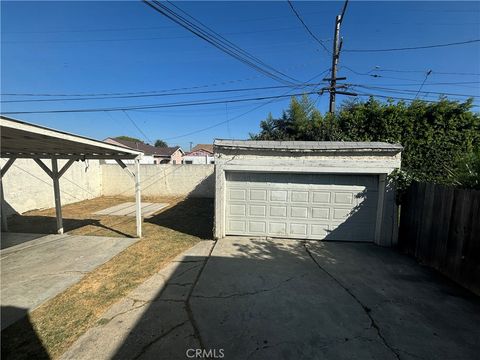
78,48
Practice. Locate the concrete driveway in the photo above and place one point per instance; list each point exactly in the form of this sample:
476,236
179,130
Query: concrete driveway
284,299
36,267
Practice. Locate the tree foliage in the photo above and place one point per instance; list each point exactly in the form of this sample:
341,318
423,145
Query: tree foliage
129,138
441,140
160,143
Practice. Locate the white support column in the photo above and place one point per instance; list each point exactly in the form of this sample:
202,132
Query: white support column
56,191
138,198
3,171
380,205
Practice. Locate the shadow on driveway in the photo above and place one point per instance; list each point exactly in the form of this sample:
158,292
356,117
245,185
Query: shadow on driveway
286,299
26,334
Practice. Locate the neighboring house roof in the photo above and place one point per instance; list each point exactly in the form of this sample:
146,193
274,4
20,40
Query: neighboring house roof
203,147
145,148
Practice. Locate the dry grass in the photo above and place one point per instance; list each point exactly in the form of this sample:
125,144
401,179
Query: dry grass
61,320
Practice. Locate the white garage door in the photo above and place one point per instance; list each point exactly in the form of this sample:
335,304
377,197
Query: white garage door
304,206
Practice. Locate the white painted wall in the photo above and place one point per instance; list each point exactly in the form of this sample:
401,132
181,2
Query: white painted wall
161,180
146,159
197,160
27,187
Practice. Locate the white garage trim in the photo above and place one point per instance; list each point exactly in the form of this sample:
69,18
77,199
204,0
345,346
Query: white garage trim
324,159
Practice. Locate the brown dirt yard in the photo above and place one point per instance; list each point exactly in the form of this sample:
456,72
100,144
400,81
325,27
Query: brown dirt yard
61,320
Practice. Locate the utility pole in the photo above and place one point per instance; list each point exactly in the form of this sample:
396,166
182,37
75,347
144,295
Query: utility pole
337,47
335,56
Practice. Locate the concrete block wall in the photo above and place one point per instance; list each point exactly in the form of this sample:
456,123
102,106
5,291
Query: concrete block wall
161,180
27,187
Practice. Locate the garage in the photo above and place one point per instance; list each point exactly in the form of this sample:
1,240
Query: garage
306,190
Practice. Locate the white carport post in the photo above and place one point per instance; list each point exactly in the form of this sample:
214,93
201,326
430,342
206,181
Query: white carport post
56,191
56,175
138,195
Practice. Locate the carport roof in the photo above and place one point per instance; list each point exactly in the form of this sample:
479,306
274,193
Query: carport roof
307,146
24,140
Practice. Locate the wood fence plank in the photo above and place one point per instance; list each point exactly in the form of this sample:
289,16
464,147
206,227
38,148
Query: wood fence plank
440,226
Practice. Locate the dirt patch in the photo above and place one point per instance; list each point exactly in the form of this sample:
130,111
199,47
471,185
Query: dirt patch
60,321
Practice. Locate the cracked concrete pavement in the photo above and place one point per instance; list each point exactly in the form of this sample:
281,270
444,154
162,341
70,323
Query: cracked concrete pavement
289,299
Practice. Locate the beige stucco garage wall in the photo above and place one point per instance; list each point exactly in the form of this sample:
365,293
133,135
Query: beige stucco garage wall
27,187
161,180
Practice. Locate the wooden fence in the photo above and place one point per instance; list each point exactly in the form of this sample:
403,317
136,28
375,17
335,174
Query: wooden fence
440,226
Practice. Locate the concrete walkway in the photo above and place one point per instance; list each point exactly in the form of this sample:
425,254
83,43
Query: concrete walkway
284,299
36,267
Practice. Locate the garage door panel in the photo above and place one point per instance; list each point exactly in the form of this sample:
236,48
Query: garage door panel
237,210
278,228
278,195
298,229
299,212
257,226
299,196
321,213
278,211
258,195
237,227
319,231
321,197
343,198
237,194
313,206
257,210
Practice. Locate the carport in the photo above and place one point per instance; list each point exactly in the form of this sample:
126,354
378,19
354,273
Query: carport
21,140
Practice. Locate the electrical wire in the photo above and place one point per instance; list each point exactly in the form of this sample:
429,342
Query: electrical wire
307,28
219,42
154,95
414,47
152,106
137,127
244,113
227,82
407,91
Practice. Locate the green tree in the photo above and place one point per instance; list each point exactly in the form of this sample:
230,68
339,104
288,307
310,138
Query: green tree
441,140
129,138
160,143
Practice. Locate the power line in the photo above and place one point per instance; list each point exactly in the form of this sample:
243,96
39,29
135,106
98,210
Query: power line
137,127
307,28
135,39
153,106
227,82
423,83
219,41
434,72
244,113
410,91
403,98
156,95
414,47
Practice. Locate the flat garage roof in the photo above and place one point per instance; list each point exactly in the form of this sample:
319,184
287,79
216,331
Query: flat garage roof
306,146
23,140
